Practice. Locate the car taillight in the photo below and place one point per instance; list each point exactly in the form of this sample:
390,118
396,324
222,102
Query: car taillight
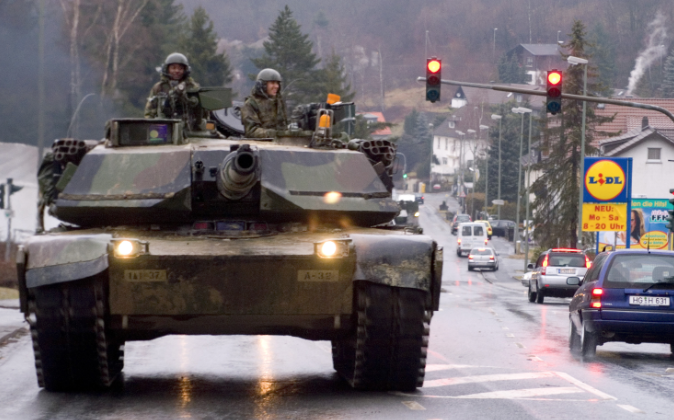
595,301
486,241
545,262
543,270
470,257
491,258
588,263
459,241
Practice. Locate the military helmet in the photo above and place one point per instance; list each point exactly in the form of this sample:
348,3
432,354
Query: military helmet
269,75
176,58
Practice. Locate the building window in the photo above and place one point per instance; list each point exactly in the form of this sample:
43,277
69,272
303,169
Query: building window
654,153
446,143
444,161
530,61
451,124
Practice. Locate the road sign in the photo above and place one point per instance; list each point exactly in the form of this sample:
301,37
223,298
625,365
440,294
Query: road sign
498,202
605,180
604,217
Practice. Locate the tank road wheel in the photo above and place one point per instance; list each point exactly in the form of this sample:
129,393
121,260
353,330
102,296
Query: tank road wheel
388,349
73,350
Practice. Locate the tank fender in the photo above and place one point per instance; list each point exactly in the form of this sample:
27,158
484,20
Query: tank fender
399,261
58,259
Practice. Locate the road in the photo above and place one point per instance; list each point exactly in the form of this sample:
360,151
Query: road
492,355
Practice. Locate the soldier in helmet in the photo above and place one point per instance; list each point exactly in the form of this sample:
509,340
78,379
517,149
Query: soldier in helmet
264,112
169,99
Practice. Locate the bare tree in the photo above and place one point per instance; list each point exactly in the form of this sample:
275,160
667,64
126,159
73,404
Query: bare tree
126,13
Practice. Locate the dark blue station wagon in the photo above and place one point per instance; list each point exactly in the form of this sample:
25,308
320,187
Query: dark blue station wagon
627,296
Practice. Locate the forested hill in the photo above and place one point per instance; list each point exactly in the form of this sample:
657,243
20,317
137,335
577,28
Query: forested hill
461,32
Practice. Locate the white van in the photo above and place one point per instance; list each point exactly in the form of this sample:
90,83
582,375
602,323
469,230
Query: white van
470,235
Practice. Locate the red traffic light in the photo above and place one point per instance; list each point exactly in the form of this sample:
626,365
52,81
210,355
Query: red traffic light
554,77
434,66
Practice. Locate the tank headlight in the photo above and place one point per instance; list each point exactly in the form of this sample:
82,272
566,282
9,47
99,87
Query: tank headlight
333,248
129,248
416,214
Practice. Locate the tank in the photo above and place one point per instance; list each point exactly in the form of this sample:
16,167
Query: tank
172,233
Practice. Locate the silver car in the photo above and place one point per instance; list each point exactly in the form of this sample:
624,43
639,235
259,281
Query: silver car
482,258
552,269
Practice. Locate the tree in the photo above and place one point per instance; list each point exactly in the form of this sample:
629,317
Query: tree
602,49
557,189
668,79
199,43
290,53
334,79
509,71
415,143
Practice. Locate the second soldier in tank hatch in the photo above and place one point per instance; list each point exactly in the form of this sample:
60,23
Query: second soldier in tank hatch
170,98
264,112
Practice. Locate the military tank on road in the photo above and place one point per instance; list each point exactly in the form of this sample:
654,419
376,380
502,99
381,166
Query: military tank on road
167,232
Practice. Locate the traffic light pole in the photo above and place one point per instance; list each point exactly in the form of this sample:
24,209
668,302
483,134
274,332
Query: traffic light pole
596,99
8,207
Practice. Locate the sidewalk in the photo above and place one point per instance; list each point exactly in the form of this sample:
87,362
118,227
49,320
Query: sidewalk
12,322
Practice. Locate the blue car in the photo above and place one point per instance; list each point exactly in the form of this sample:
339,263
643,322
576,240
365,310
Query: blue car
626,296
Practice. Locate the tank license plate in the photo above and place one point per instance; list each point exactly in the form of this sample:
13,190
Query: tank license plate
145,275
318,275
649,301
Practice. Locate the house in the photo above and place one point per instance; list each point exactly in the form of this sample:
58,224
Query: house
651,150
465,95
537,59
628,119
374,117
457,142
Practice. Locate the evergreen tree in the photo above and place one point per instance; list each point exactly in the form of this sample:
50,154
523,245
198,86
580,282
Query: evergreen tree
199,43
290,53
334,79
509,71
555,208
668,79
415,143
602,49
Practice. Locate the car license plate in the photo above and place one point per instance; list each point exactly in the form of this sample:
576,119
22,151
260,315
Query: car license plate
649,301
567,271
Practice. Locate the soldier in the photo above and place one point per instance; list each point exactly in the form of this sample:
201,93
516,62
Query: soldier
169,99
264,112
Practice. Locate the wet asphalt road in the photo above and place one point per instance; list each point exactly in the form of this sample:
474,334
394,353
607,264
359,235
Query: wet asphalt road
493,355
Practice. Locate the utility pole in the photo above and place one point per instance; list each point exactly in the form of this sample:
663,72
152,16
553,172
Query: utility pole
40,84
8,212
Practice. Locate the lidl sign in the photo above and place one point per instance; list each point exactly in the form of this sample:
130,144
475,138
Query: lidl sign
606,180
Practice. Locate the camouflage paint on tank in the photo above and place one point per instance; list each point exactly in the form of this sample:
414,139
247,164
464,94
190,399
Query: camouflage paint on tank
61,257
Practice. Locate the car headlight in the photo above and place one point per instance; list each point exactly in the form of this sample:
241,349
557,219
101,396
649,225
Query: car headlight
416,214
129,248
334,248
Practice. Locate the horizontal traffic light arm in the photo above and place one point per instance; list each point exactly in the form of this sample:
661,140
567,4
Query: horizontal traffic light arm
597,99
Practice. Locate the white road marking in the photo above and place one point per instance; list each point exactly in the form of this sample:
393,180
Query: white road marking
631,409
585,386
434,368
535,358
505,328
669,371
486,378
515,394
520,345
413,405
510,335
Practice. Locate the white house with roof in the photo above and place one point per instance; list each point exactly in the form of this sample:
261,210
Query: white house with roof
537,59
651,151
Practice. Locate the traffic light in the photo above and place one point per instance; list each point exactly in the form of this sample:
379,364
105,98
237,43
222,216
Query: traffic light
554,91
404,175
670,218
433,77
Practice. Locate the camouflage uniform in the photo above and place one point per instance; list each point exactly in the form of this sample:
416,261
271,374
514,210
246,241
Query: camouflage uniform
183,103
263,116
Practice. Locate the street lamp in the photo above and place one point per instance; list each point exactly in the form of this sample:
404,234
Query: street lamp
472,190
459,186
499,118
519,110
486,188
573,61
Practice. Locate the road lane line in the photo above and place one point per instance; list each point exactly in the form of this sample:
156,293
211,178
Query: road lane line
631,409
515,394
585,386
510,335
486,378
435,368
413,405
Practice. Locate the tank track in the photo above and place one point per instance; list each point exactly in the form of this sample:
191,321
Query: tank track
388,349
73,350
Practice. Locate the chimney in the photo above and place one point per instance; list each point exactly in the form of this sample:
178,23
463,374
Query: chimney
644,123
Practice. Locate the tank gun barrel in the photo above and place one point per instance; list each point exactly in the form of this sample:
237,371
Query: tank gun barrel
238,173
